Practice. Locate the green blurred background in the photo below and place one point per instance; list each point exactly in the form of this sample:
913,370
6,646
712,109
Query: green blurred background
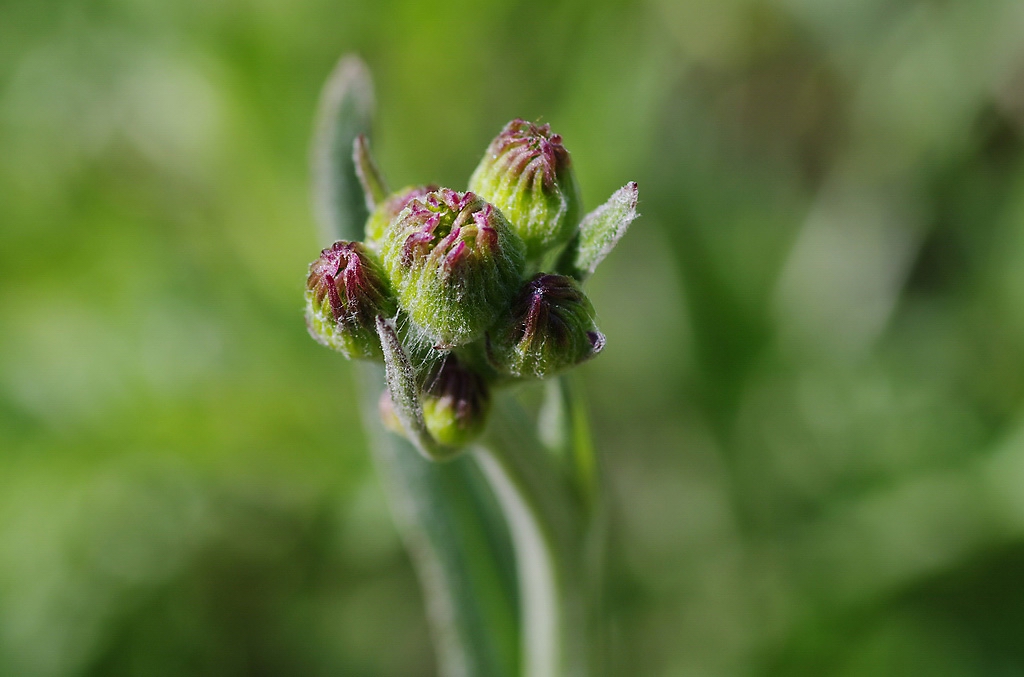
810,406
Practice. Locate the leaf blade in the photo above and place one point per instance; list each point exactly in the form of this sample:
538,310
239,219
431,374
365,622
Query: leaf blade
375,188
405,394
599,232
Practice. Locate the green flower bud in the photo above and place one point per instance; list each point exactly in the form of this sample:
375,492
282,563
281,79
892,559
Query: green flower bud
385,212
456,402
455,263
345,291
551,328
527,174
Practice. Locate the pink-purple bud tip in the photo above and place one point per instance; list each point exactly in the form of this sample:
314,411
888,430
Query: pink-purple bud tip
345,291
531,148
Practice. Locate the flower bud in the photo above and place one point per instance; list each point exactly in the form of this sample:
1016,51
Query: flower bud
345,291
527,174
385,212
551,327
455,263
456,402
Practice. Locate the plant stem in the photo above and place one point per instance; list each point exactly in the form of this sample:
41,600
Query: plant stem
457,541
549,531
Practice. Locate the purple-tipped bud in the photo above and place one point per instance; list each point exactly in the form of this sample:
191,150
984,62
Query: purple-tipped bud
345,291
456,402
455,264
527,174
551,328
388,209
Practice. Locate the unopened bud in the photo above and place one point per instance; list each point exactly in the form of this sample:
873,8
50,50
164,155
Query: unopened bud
345,291
456,402
527,173
455,263
551,328
385,212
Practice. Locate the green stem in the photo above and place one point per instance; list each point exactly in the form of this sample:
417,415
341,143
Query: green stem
458,543
549,531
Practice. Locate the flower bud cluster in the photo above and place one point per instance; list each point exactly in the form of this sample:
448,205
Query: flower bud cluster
455,273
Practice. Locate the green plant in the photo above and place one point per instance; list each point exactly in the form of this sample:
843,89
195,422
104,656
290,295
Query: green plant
460,295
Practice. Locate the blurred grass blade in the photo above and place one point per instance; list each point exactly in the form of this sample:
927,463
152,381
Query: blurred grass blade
447,515
345,113
599,232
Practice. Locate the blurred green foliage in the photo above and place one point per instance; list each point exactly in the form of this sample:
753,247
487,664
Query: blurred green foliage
809,406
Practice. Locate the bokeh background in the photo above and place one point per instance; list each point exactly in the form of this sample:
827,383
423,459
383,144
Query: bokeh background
810,406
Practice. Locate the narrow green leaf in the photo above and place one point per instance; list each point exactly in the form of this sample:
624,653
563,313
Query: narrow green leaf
584,456
345,113
599,232
375,189
401,380
405,394
553,428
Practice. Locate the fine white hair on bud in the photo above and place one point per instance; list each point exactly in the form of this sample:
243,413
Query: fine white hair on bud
445,291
